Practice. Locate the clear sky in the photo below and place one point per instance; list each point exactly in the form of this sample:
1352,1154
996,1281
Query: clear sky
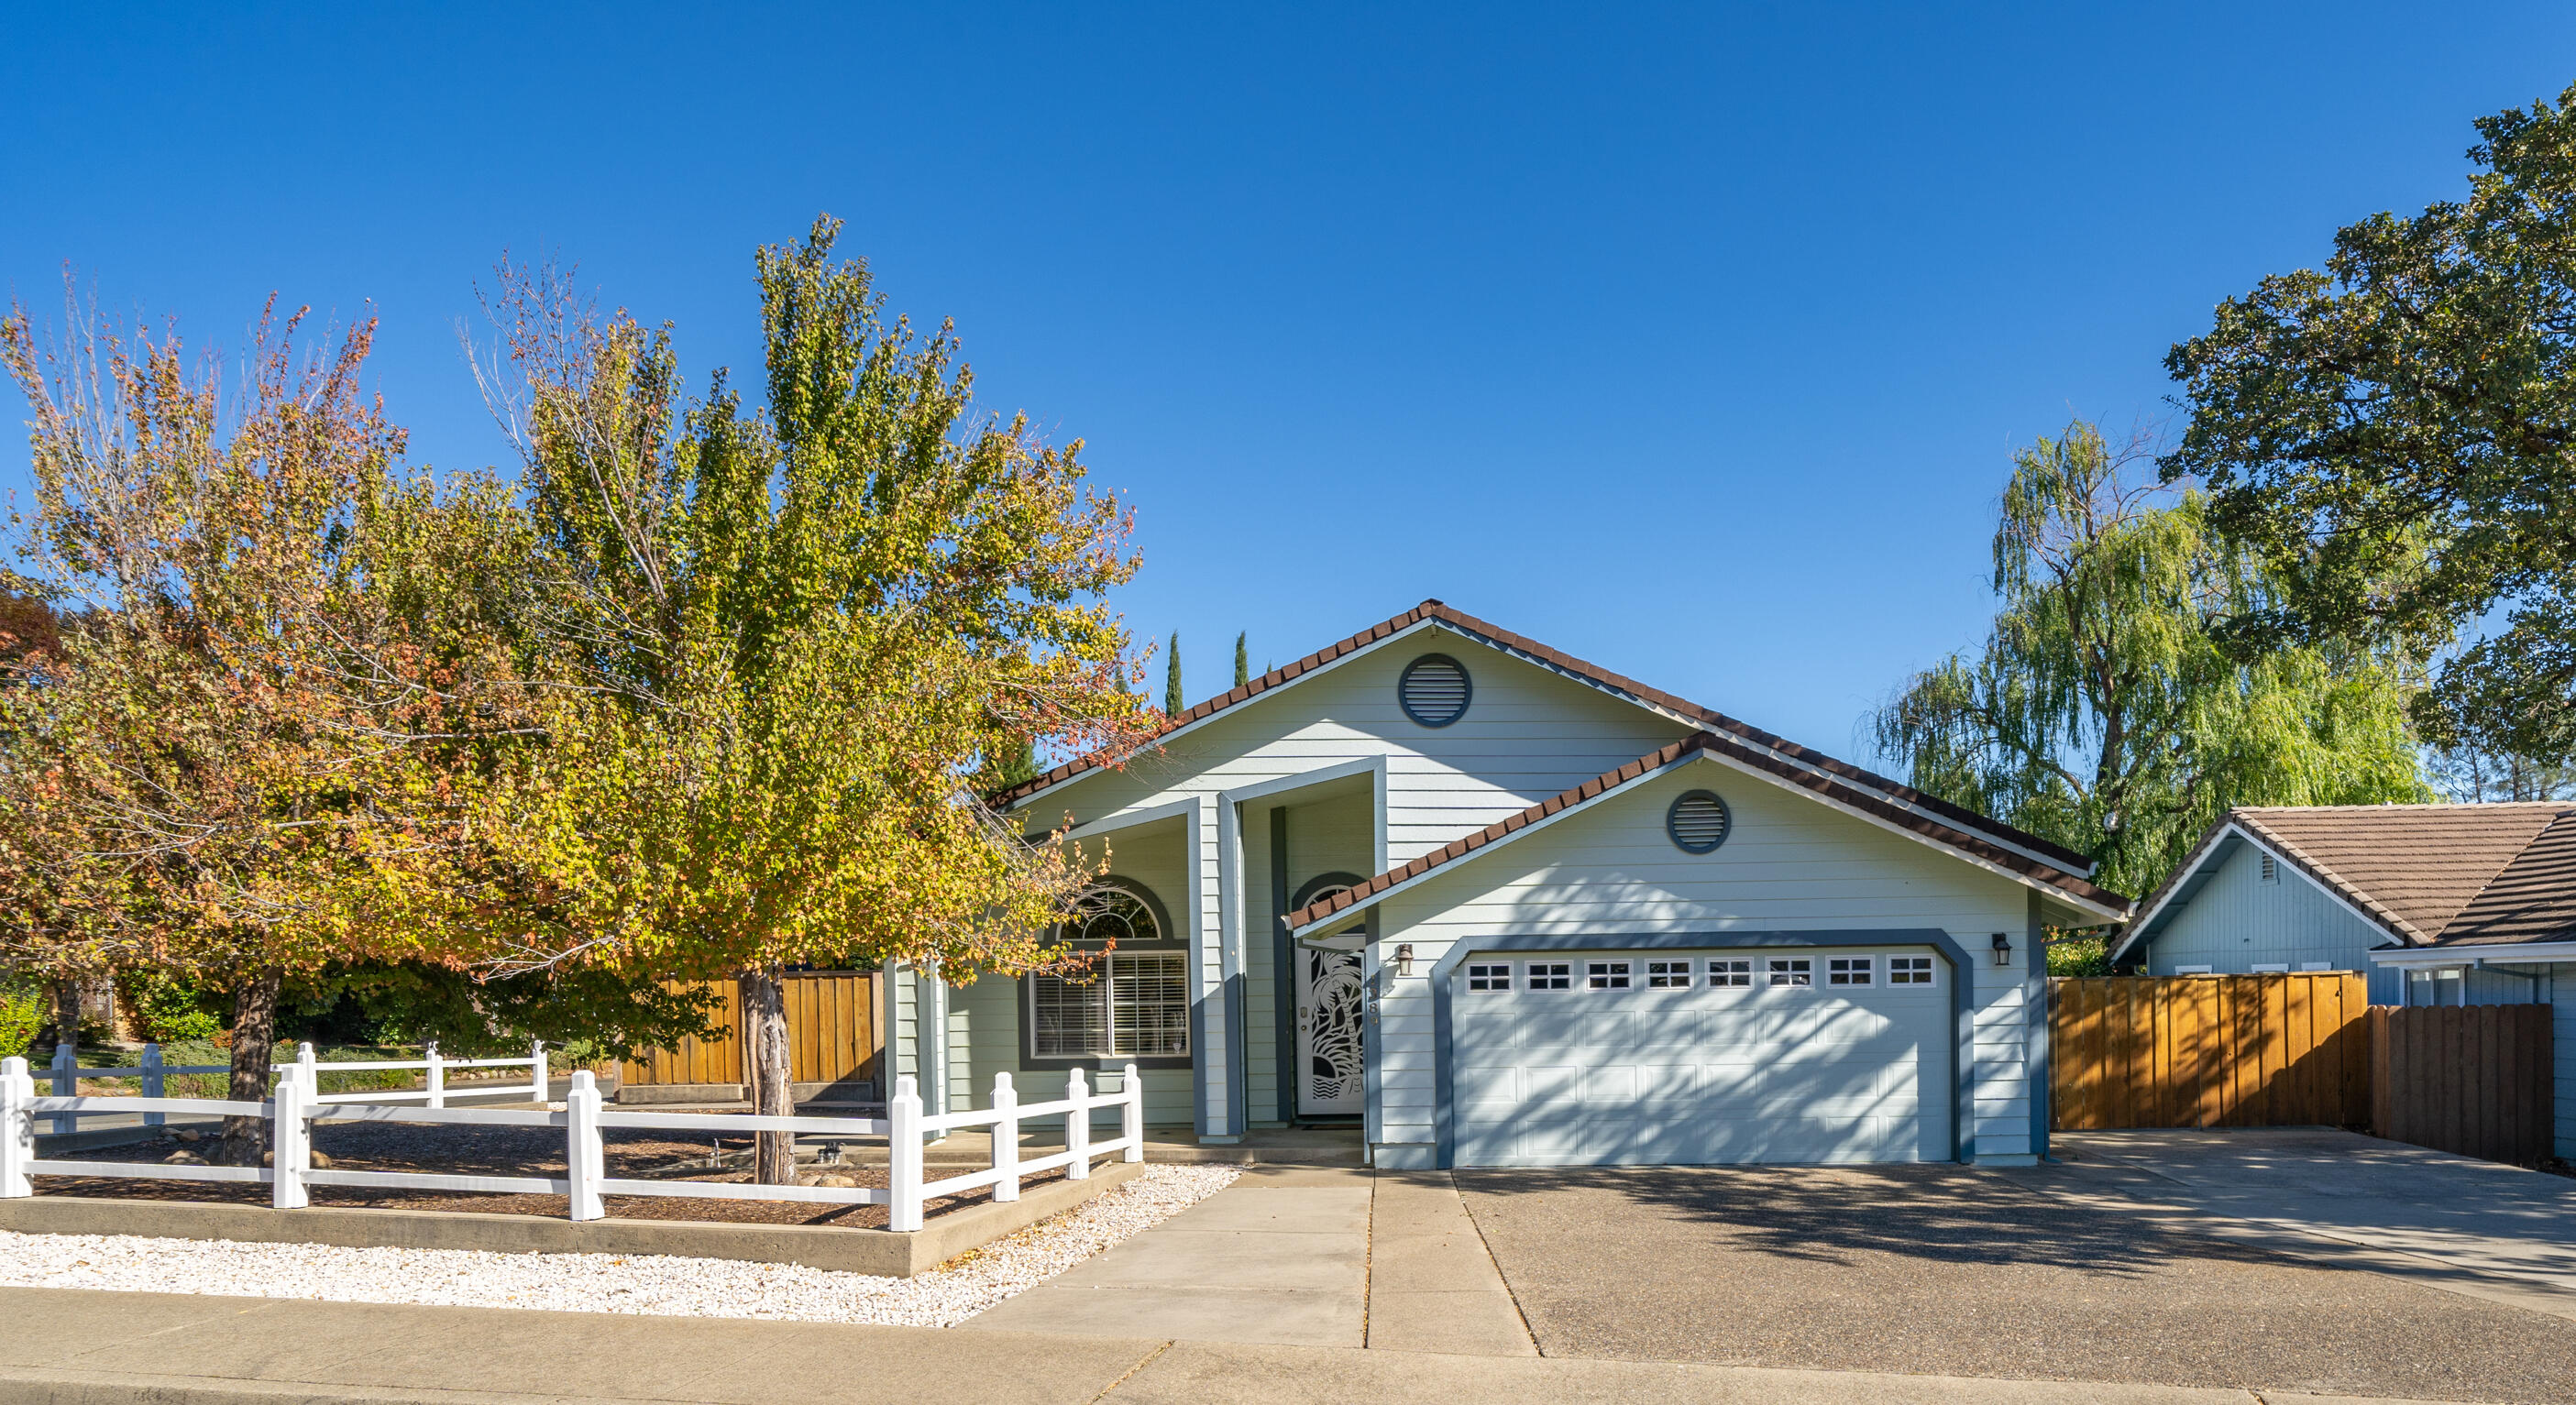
1692,341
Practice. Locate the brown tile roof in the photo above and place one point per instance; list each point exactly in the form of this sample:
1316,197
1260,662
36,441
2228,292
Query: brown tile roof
2532,900
2412,867
1653,761
1433,610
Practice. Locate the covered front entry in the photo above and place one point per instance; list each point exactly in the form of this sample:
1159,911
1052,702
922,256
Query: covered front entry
1701,1057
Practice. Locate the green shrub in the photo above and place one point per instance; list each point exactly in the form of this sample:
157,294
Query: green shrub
24,1008
170,1011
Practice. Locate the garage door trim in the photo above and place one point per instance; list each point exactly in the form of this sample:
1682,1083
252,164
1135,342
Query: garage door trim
1963,1146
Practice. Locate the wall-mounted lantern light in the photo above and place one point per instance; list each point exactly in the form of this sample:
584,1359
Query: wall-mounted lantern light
1404,958
2003,948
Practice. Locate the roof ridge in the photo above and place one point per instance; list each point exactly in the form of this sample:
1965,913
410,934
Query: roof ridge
2457,806
2506,867
1434,609
1658,759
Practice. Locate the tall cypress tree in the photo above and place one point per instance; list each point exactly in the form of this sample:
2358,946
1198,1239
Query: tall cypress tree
1242,663
1172,678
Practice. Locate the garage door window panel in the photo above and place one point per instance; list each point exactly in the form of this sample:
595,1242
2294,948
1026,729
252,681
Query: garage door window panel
1669,975
1727,972
1494,975
1606,975
1792,973
1909,970
1547,975
1851,970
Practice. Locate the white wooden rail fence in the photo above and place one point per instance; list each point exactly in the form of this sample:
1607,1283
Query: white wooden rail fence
152,1071
294,1107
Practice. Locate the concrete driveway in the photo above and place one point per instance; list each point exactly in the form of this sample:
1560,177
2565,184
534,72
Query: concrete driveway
2043,1274
2476,1227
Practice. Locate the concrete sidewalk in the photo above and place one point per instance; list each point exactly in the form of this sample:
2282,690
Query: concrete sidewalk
88,1348
1295,1256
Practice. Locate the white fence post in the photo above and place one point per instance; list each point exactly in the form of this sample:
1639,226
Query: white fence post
903,1156
152,1083
539,1086
290,1138
66,1084
1077,1127
585,1160
1006,1138
1131,1116
309,1067
437,1078
17,1127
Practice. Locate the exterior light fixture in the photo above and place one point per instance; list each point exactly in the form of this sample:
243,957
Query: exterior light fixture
2003,948
1404,958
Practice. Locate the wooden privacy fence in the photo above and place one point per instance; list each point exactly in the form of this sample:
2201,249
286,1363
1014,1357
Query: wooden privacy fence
2471,1079
2209,1051
831,1035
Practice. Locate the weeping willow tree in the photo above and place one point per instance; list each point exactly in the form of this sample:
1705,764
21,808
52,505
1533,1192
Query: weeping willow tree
2105,712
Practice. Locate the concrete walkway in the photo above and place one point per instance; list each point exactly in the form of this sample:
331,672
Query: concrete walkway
89,1348
2476,1227
1280,1256
1295,1256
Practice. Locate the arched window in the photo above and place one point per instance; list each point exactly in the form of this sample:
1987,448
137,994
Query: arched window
1134,1000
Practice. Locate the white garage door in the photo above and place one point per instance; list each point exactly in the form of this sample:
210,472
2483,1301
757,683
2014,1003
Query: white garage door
1701,1058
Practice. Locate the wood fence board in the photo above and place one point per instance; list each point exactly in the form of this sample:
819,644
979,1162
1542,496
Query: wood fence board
2209,1051
2475,1080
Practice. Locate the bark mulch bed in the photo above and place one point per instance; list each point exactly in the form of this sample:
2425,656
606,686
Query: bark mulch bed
449,1149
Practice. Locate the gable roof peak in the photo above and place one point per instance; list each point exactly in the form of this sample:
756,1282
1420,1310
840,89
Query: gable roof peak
1433,611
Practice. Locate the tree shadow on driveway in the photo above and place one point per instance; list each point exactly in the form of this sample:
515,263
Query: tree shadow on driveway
1971,1271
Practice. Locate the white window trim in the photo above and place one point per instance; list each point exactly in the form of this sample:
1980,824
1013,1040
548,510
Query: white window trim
1619,969
1530,979
1929,970
1684,976
2270,968
1713,978
1865,967
1506,971
2191,970
1789,966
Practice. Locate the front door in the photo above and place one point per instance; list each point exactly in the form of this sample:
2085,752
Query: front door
1329,1006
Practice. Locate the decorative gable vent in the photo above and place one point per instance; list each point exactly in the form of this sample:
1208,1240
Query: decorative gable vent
1698,822
2271,869
1434,690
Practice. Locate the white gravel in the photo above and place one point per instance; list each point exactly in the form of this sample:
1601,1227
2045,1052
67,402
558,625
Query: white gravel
655,1285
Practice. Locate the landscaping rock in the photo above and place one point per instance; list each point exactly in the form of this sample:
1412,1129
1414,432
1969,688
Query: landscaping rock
183,1157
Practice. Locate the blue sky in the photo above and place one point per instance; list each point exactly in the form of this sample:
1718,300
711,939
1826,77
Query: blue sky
1692,341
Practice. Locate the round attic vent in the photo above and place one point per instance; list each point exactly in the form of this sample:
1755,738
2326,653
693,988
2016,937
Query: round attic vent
1698,822
1434,690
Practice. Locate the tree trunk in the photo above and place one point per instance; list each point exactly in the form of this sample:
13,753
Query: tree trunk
67,1003
254,1045
764,1017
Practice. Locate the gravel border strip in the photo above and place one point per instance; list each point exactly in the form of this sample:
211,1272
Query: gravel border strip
655,1285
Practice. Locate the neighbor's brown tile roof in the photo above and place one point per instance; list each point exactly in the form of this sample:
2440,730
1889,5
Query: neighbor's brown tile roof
1653,761
1433,610
2415,868
2532,900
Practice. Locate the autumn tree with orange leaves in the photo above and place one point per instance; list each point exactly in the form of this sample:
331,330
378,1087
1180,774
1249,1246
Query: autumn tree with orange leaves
267,740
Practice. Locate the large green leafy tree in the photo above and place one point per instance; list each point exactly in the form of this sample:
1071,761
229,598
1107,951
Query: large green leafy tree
794,632
2103,713
2396,435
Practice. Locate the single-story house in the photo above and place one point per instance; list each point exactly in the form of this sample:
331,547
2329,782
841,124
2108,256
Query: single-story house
1485,903
2437,904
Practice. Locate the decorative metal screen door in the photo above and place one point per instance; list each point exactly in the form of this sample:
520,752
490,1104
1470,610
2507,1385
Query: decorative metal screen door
1329,1006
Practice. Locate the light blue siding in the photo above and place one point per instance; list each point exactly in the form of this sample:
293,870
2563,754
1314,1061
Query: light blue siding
2237,922
984,1017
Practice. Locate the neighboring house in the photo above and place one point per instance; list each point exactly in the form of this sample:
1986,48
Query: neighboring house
1492,905
2439,904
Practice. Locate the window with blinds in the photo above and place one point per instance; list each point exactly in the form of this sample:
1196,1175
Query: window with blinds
1132,1002
1134,1005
